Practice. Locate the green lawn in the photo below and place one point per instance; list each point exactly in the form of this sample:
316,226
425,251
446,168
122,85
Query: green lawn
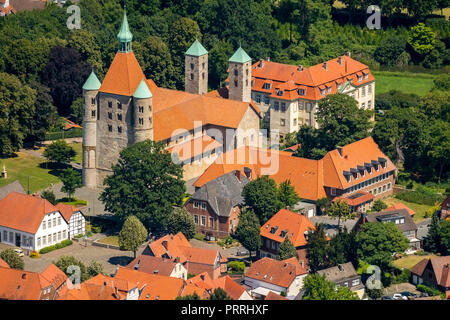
420,209
24,166
78,149
410,261
418,83
112,240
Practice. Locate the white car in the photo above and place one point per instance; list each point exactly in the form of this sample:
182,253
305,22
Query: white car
19,252
398,296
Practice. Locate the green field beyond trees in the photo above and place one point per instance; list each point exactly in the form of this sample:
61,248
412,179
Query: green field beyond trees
418,83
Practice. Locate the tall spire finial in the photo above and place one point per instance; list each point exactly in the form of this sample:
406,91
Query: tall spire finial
125,36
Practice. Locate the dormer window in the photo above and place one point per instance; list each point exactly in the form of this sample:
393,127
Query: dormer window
339,85
363,173
359,78
366,76
280,92
266,86
369,170
328,89
301,92
322,92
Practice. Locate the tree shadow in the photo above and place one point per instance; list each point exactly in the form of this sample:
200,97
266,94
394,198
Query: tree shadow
120,260
8,156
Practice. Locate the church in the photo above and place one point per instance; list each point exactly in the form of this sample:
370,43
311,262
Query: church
195,125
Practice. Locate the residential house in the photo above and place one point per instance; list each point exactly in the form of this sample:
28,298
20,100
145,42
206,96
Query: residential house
191,289
12,187
344,275
445,209
232,288
74,217
217,204
288,95
284,224
158,265
195,260
91,291
6,8
358,172
402,220
400,205
57,278
433,272
30,222
124,288
267,275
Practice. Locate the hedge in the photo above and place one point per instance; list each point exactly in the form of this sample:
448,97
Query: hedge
431,291
236,266
60,245
421,196
72,133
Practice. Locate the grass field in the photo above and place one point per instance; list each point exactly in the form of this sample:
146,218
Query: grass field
112,240
418,83
420,209
78,149
410,261
24,166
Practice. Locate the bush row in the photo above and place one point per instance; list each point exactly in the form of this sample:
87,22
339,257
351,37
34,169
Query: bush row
431,291
60,245
421,196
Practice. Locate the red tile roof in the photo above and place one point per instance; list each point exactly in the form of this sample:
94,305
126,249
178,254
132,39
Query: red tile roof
398,206
91,291
272,271
356,198
70,124
3,264
24,212
200,255
233,289
21,285
202,280
194,147
440,267
190,289
273,296
284,220
56,277
151,264
66,210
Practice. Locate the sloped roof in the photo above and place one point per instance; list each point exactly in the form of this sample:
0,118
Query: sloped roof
273,296
196,49
272,271
233,289
152,265
222,193
123,285
91,291
400,205
92,82
356,198
172,250
66,210
142,91
339,272
440,266
199,255
12,187
190,289
123,76
194,147
24,212
294,224
240,56
409,224
298,268
202,280
21,285
55,276
3,263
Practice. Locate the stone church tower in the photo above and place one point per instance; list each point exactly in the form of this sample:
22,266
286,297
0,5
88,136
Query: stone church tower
196,69
117,113
240,76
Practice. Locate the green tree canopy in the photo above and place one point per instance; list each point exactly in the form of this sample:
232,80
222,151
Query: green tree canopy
64,262
95,268
50,196
317,249
286,250
147,167
132,235
59,152
341,210
219,294
379,205
247,231
319,288
287,194
12,259
180,220
422,38
71,180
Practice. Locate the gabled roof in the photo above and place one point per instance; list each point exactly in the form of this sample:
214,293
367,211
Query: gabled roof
152,265
440,267
273,296
339,272
67,210
409,224
142,91
202,280
123,285
272,271
91,291
92,82
400,205
168,246
222,193
24,212
196,49
190,289
56,277
123,76
200,255
3,264
12,187
21,285
292,225
298,268
194,147
233,289
240,56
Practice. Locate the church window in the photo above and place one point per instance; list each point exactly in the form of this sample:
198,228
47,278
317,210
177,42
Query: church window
110,104
141,120
235,72
109,115
119,129
150,120
150,108
192,66
93,113
246,71
235,83
109,128
192,76
141,109
119,116
203,65
246,83
119,105
203,76
93,101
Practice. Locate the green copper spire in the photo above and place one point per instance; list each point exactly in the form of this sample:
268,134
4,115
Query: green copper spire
125,36
196,49
240,56
92,82
142,91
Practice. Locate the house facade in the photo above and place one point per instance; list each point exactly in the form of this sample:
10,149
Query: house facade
445,209
344,275
31,222
74,217
434,272
288,95
158,265
216,205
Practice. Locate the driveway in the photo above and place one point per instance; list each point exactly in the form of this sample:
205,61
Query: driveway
229,253
397,288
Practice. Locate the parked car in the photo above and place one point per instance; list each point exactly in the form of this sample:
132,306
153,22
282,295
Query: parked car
399,296
387,298
19,252
242,252
408,295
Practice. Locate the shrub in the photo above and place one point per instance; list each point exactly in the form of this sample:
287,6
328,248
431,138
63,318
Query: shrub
96,229
60,245
430,291
403,277
199,236
236,266
421,195
34,254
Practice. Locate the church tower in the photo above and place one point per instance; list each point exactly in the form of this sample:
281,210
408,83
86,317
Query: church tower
143,121
90,113
240,76
196,69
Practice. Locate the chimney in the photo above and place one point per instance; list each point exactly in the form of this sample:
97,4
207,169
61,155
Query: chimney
348,54
339,149
268,58
325,65
340,61
238,174
248,172
261,63
300,68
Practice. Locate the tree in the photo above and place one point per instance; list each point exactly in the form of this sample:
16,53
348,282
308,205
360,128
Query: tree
420,8
432,241
389,50
422,38
341,248
341,210
59,152
76,110
132,235
378,241
95,268
194,296
147,167
319,288
317,249
379,205
49,196
71,180
323,204
67,264
219,294
85,43
12,259
287,194
286,250
180,220
247,231
445,237
261,195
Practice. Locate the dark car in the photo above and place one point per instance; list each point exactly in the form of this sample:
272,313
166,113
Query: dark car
387,298
408,294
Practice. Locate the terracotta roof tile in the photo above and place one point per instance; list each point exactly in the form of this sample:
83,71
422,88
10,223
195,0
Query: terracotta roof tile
3,264
194,147
190,289
91,291
233,289
66,210
398,206
272,271
21,285
55,276
151,264
273,296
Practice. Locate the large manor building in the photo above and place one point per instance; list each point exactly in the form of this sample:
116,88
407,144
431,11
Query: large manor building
127,108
